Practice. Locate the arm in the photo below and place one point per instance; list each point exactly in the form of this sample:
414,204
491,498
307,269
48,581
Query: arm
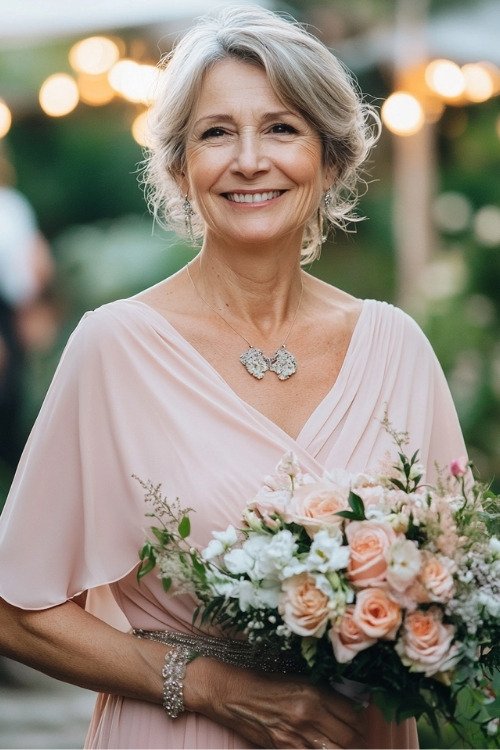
269,710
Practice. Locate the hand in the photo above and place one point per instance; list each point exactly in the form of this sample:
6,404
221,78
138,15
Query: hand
272,710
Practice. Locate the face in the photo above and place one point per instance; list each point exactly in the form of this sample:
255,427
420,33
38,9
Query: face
253,166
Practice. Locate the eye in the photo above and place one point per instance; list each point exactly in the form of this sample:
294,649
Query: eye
283,127
213,133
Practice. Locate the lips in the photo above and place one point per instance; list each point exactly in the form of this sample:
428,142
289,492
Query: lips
253,197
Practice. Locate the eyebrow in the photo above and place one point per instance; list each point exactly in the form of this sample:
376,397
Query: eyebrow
229,118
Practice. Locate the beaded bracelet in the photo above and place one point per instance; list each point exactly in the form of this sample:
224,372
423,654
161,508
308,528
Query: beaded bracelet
173,673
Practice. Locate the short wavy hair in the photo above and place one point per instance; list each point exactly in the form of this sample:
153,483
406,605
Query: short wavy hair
304,75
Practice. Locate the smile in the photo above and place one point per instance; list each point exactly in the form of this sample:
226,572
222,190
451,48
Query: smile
253,197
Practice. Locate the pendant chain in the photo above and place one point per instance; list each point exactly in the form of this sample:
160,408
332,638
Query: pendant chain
229,324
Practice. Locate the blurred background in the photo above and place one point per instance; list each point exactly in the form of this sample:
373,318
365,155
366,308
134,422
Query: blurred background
75,84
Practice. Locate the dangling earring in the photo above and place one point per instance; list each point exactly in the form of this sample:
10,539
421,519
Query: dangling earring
327,199
188,212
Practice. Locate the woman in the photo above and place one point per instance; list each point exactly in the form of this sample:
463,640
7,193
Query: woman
202,383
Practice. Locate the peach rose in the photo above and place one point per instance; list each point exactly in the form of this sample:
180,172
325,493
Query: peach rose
377,614
436,578
347,637
315,505
303,606
426,642
369,542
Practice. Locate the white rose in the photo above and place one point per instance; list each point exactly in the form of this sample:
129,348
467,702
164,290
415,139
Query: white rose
403,564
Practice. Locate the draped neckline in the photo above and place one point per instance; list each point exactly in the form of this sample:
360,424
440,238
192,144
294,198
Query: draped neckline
330,396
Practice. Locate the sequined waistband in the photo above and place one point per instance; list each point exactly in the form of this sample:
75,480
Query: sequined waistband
237,653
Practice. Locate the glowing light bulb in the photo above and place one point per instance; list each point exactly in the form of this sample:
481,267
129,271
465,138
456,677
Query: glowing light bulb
402,113
133,81
479,84
5,118
445,78
94,55
139,131
58,95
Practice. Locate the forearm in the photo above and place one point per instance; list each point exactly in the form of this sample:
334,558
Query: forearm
74,646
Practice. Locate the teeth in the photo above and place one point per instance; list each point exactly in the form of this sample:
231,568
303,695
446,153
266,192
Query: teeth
253,197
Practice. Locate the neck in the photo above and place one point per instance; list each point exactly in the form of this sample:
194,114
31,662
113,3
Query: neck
261,293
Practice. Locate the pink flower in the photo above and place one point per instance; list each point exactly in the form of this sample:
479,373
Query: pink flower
369,542
303,606
426,642
377,614
458,467
315,505
436,578
347,637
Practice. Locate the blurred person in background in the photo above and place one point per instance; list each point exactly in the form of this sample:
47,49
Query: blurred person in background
258,135
26,269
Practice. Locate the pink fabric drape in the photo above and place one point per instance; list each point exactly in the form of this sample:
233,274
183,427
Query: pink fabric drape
132,396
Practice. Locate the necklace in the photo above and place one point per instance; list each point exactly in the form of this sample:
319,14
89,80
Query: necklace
282,362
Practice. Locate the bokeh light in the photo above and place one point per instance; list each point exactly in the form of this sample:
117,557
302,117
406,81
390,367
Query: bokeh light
139,129
402,113
58,95
445,78
94,55
5,118
95,89
479,83
133,81
487,226
452,212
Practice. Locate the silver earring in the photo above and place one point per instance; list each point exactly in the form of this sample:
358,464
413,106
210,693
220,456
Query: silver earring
188,213
327,199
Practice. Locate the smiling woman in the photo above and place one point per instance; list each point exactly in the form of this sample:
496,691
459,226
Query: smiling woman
257,137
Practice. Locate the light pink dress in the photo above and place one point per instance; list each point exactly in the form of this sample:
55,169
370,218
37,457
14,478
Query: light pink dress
132,396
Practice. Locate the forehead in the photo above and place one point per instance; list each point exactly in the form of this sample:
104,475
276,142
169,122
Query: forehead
235,84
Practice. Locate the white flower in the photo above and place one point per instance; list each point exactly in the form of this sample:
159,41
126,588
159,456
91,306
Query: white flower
276,554
492,727
327,552
222,541
238,561
289,465
252,596
399,522
494,545
403,563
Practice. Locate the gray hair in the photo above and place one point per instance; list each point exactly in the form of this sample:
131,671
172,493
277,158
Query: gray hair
304,75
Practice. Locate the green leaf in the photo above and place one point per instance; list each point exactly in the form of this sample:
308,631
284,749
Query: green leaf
146,567
162,535
357,505
166,583
184,528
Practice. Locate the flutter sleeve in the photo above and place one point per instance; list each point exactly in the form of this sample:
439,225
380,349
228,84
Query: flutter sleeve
70,521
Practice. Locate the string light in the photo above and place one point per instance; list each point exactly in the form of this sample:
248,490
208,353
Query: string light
94,55
5,118
402,113
58,95
445,78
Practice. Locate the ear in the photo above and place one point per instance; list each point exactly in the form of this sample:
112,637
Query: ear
183,183
329,177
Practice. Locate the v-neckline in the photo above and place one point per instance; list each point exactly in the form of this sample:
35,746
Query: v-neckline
356,332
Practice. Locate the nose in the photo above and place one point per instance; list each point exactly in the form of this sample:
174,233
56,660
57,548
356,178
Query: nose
250,157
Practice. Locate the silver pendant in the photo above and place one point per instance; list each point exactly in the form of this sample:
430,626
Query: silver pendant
282,362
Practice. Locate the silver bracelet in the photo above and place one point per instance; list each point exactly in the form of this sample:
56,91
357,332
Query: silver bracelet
173,673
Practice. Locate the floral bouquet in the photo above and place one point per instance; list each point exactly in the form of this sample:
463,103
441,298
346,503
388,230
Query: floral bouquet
376,578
